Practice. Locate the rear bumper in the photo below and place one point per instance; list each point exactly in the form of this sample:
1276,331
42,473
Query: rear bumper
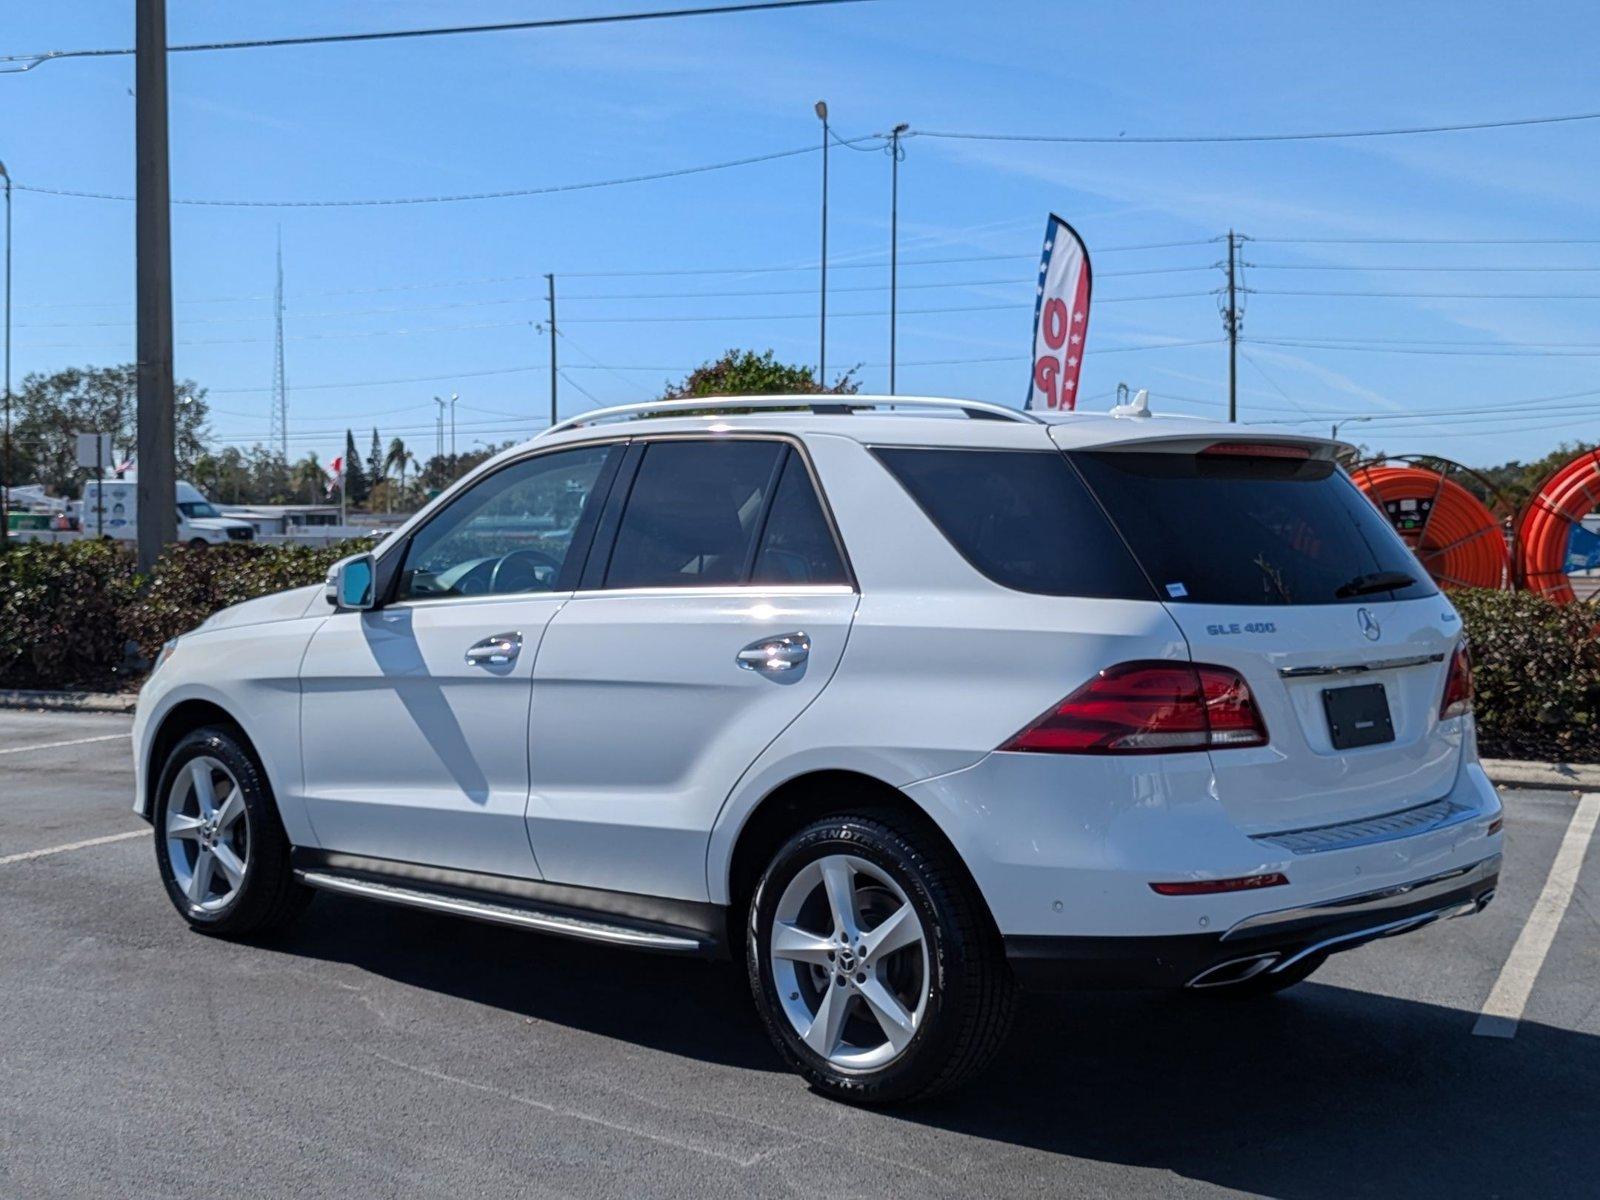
1259,944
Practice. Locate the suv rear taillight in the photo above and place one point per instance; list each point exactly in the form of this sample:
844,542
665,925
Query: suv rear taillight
1149,708
1457,700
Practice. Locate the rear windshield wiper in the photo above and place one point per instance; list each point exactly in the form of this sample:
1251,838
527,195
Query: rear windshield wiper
1379,581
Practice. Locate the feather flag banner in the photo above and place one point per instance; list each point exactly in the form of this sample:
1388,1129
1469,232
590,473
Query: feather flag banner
1060,318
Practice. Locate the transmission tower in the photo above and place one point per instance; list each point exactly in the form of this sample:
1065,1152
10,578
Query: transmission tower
280,388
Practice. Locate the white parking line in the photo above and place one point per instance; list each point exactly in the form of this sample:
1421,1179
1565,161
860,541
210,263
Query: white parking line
99,841
1504,1007
107,737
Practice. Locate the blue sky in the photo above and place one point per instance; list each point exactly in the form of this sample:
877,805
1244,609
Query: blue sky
452,291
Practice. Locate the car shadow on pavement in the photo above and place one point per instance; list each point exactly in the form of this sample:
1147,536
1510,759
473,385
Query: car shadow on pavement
683,1006
1317,1094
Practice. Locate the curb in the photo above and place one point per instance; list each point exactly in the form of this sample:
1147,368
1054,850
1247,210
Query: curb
105,702
1505,772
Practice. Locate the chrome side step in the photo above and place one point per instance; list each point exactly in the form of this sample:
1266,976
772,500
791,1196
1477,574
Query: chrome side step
561,924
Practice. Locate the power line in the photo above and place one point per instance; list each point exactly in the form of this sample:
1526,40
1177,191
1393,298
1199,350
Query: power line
669,318
1430,351
683,368
1444,269
29,61
1434,295
475,281
509,193
1190,139
595,297
1426,241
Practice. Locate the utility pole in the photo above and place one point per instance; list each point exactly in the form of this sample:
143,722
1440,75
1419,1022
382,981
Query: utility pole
551,280
1230,324
280,382
7,481
453,399
157,486
895,155
821,109
438,432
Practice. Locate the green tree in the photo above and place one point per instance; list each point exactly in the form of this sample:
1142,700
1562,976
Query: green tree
374,461
307,478
50,410
746,373
355,482
398,459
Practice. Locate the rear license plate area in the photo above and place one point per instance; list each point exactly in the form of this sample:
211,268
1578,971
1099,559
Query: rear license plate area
1358,716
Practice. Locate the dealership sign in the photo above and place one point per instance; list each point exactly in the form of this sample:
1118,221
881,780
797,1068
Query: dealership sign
1060,318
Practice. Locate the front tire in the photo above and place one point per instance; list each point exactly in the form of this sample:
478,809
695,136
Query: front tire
220,847
874,966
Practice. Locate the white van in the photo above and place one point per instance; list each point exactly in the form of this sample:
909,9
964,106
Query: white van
111,507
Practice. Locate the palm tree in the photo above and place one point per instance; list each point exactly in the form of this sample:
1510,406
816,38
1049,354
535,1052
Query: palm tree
308,474
398,458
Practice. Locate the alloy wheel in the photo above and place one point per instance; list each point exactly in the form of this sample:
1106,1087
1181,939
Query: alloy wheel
208,834
849,959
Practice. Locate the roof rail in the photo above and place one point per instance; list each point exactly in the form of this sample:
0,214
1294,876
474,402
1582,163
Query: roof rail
978,410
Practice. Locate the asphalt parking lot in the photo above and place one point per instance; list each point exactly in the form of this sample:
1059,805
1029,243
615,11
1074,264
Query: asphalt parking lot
379,1052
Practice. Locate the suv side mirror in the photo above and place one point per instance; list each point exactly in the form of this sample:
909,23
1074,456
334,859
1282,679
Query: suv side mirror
350,583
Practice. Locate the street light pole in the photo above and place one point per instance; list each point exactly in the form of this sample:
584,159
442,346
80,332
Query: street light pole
821,109
7,482
453,399
895,155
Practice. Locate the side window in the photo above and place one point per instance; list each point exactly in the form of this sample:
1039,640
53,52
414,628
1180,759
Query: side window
509,533
691,518
797,546
1021,517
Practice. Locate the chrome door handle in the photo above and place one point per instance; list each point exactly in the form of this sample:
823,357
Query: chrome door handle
774,655
496,650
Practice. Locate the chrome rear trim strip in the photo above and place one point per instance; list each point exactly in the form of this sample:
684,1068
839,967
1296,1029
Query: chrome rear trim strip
1386,827
501,914
1388,929
1373,902
1361,668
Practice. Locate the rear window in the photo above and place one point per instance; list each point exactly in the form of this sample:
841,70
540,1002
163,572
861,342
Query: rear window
1224,529
1023,518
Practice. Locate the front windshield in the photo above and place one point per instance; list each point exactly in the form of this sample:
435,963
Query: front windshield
197,508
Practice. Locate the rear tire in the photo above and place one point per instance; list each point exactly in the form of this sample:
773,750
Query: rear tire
929,1002
220,846
198,543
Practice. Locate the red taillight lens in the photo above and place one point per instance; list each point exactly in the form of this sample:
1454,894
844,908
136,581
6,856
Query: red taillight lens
1256,450
1457,700
1211,887
1149,708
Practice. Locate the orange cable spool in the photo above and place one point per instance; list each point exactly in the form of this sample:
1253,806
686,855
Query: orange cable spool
1455,537
1544,527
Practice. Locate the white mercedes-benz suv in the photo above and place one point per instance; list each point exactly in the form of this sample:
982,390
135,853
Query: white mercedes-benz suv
907,709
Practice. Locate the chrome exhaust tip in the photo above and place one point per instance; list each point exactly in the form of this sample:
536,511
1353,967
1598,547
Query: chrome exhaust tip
1235,970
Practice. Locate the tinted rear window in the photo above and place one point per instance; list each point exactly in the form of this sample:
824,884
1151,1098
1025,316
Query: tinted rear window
1237,530
1023,518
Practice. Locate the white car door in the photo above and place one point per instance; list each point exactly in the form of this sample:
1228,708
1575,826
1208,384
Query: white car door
719,613
414,715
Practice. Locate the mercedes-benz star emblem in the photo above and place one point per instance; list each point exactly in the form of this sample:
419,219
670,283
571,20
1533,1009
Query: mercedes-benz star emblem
1369,624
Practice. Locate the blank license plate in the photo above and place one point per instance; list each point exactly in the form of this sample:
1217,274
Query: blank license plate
1358,716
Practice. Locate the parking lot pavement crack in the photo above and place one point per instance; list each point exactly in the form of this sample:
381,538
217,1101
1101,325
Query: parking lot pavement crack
573,1114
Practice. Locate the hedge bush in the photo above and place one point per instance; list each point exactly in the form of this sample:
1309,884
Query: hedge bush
77,615
63,613
1536,667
